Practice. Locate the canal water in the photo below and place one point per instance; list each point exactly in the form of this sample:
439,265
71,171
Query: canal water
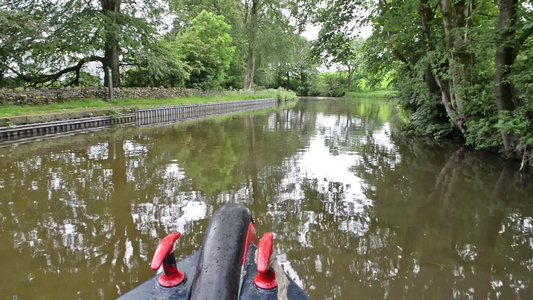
358,211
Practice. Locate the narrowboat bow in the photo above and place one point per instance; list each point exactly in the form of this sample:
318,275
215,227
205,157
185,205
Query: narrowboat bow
230,265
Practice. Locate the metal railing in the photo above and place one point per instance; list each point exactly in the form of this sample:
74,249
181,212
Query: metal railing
175,113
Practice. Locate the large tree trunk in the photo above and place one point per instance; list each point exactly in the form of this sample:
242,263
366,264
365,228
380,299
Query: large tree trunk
426,16
452,110
350,73
436,95
457,19
250,65
279,74
111,61
438,87
250,69
431,83
111,8
505,57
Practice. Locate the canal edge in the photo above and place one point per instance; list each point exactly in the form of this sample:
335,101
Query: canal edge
141,116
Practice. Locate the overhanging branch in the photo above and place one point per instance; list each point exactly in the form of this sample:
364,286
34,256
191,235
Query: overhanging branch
53,77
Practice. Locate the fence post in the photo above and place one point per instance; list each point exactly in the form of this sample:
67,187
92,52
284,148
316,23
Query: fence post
109,84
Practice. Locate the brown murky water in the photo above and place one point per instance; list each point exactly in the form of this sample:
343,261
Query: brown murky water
357,211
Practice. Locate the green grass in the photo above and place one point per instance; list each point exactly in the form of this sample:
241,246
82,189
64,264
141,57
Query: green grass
370,94
127,103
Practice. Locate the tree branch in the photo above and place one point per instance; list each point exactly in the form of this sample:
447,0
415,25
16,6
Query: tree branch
402,58
524,36
56,76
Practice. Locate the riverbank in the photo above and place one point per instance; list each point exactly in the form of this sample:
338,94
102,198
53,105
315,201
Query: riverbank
9,110
13,115
142,116
68,140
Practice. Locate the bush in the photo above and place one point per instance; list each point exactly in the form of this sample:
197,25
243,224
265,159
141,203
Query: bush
283,95
424,115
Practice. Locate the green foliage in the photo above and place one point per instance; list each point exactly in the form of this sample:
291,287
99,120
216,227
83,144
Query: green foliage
206,48
519,122
380,94
114,113
331,84
445,76
422,111
523,73
482,127
10,125
335,84
483,133
283,95
160,65
46,38
19,29
288,65
86,79
279,51
187,10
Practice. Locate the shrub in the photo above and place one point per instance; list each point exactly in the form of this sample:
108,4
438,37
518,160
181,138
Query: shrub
283,95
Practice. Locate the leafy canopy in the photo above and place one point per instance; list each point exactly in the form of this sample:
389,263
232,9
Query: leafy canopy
206,48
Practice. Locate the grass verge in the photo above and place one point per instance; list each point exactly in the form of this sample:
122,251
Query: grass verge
127,103
371,94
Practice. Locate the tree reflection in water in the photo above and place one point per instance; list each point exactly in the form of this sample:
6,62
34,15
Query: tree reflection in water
357,210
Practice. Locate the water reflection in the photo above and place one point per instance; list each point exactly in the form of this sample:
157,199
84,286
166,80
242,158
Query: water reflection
356,209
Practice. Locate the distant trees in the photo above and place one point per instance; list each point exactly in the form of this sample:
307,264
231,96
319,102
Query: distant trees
261,30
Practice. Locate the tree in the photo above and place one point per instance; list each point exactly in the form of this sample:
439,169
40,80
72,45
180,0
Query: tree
74,32
282,59
509,42
261,32
187,10
206,46
265,23
18,30
251,24
160,64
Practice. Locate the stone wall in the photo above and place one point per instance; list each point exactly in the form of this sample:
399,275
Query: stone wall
30,96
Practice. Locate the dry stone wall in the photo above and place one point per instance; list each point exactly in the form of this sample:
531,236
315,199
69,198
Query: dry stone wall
31,96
